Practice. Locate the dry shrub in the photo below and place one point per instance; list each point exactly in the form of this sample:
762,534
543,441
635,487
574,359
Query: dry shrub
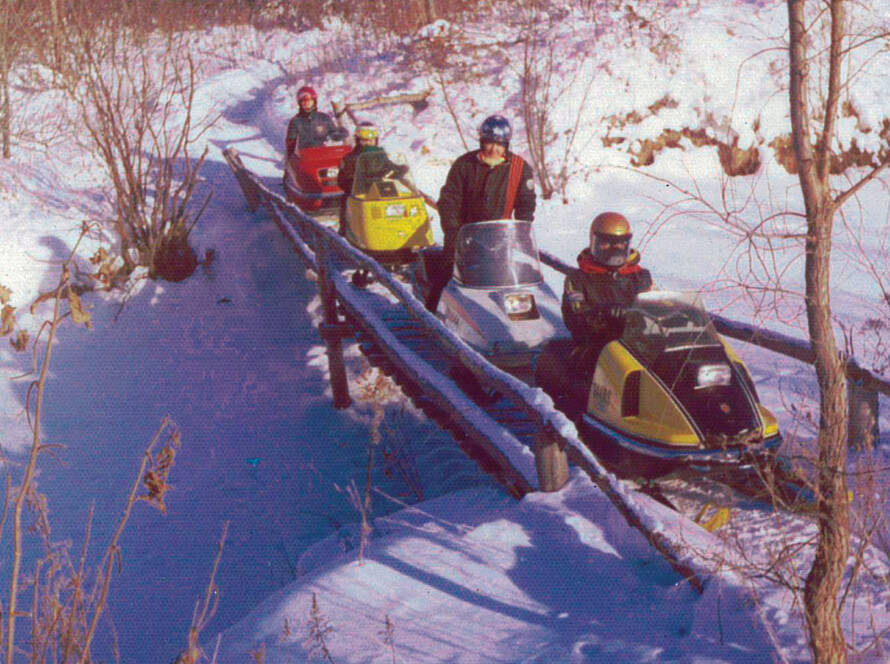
135,102
852,156
738,161
67,598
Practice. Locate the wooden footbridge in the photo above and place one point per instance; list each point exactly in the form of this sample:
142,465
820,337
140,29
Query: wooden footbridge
516,436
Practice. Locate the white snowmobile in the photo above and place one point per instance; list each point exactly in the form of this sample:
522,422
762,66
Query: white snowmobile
497,300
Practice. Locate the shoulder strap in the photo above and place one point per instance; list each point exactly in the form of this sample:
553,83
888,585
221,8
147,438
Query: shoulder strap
512,185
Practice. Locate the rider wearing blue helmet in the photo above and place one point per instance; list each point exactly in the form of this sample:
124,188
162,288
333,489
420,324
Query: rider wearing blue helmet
488,183
482,185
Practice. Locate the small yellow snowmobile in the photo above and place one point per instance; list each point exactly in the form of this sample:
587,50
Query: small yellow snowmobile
386,216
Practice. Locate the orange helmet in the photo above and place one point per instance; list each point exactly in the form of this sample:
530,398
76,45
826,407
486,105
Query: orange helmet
610,239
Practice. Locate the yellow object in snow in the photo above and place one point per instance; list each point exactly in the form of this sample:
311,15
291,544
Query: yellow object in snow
719,518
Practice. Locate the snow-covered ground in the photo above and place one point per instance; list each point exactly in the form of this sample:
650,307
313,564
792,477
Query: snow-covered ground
460,571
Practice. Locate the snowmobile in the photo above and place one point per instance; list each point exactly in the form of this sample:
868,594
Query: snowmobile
310,181
668,396
497,300
386,215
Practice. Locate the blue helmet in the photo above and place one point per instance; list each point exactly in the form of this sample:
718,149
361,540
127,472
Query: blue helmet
496,129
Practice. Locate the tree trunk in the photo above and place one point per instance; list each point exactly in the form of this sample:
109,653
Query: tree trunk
4,82
56,38
823,583
4,107
429,10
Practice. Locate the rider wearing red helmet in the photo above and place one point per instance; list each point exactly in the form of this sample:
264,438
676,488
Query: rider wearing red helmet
310,127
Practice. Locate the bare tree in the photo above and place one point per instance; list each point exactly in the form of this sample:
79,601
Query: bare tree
17,18
539,93
813,153
548,80
827,53
136,100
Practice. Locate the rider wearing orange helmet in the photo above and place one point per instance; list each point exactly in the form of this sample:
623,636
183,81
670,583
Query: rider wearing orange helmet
608,278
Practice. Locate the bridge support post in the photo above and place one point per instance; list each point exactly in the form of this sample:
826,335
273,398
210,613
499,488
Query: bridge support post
862,406
331,329
551,461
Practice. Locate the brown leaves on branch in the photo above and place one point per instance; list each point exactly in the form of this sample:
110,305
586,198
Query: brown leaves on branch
156,475
7,322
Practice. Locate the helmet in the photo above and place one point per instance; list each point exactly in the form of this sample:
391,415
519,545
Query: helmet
610,239
496,129
307,93
367,131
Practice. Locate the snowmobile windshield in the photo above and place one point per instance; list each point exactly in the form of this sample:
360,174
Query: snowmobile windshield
382,175
660,321
494,254
672,334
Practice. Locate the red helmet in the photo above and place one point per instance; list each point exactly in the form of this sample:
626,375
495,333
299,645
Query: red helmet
307,93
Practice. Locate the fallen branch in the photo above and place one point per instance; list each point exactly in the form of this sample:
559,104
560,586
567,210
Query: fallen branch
418,101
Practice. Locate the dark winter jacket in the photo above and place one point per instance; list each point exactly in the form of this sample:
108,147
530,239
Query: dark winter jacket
346,172
308,130
475,191
594,294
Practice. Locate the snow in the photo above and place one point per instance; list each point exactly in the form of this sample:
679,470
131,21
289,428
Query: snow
463,572
490,585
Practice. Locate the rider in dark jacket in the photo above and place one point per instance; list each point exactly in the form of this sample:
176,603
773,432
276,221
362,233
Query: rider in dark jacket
310,127
486,184
482,185
367,137
608,278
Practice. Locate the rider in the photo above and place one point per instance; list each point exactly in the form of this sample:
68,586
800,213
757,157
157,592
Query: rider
310,127
608,278
482,185
367,137
486,184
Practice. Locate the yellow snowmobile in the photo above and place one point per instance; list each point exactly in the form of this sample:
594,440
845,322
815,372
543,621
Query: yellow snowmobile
386,216
668,395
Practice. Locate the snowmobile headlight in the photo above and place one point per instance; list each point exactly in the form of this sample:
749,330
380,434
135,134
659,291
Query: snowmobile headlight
395,210
713,375
331,172
519,303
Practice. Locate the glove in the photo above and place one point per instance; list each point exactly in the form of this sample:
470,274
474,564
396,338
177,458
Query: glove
610,312
616,312
607,318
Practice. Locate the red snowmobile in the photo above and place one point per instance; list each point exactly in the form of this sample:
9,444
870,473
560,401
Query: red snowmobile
310,180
